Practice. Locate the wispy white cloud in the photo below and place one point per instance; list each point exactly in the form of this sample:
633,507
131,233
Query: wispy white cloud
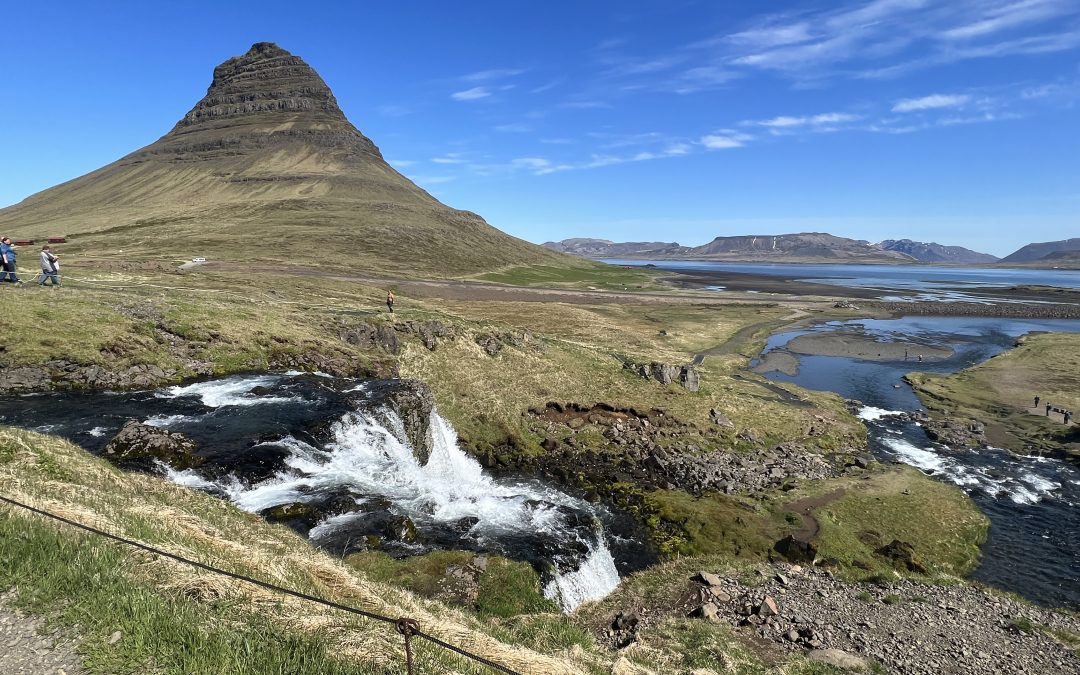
401,163
514,128
787,121
449,158
474,94
1008,16
932,102
724,140
585,105
491,74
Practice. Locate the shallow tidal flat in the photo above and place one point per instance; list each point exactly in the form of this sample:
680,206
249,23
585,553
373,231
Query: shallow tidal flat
859,345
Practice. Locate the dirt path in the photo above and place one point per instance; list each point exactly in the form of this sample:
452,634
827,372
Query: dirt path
734,343
26,650
805,509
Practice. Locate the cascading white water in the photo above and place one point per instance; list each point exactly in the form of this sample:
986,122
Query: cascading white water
369,455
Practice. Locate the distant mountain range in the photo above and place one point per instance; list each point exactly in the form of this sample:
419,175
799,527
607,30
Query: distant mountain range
1066,250
803,247
603,248
930,252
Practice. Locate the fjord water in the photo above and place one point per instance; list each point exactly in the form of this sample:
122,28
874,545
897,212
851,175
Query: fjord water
915,282
1033,546
273,440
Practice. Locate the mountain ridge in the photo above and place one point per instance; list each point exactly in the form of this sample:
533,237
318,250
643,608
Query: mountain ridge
799,247
1040,251
934,252
267,156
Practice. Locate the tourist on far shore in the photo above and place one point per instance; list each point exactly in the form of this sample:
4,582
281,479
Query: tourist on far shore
390,301
1049,406
7,260
50,267
1067,417
1037,399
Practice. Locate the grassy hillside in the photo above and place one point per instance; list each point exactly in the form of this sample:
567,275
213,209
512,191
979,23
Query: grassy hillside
1000,393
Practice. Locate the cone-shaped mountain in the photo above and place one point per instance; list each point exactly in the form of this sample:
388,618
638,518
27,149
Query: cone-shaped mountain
266,167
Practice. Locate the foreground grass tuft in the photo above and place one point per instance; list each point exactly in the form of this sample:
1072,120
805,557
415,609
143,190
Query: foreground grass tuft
49,568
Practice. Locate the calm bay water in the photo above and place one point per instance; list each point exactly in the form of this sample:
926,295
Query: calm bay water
922,282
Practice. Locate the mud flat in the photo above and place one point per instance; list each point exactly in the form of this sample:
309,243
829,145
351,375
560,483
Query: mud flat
778,361
859,345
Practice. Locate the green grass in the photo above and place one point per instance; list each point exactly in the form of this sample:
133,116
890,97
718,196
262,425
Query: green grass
590,275
163,633
938,520
506,588
1000,391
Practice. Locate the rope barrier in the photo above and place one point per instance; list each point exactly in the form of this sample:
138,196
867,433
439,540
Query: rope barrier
405,626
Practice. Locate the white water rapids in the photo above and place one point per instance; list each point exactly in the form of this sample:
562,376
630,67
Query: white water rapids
369,455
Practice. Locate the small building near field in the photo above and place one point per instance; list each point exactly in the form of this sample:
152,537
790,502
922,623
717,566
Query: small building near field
57,240
24,242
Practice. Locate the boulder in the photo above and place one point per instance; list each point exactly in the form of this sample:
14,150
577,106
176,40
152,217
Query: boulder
708,578
838,658
490,343
664,373
689,378
796,550
707,611
366,336
767,608
140,444
902,554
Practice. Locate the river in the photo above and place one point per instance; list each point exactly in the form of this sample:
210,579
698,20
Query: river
1033,546
336,446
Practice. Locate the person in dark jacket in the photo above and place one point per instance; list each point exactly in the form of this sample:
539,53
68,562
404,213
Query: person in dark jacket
50,267
7,259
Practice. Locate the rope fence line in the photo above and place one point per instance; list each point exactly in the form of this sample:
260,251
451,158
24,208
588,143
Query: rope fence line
405,626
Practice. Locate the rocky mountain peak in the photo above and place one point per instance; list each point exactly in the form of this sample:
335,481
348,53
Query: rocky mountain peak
267,79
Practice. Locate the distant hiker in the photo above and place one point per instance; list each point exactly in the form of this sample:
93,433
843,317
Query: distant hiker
7,259
50,267
905,354
1067,417
1049,407
920,358
390,301
1036,401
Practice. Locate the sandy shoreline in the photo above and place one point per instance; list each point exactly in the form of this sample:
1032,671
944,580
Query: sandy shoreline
859,345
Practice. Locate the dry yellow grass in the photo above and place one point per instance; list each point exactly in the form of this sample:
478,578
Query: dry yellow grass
61,478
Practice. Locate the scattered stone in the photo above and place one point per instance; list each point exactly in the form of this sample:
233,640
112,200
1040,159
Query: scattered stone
767,608
115,637
708,611
708,578
838,658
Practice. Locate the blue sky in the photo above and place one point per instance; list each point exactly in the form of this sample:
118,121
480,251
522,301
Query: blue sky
947,120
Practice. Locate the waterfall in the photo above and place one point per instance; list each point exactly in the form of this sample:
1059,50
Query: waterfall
369,456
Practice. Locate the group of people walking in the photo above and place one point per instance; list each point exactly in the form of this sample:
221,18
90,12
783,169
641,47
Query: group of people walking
1066,415
50,264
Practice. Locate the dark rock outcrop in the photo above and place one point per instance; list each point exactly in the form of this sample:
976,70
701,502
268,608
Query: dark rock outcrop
666,373
413,402
138,445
